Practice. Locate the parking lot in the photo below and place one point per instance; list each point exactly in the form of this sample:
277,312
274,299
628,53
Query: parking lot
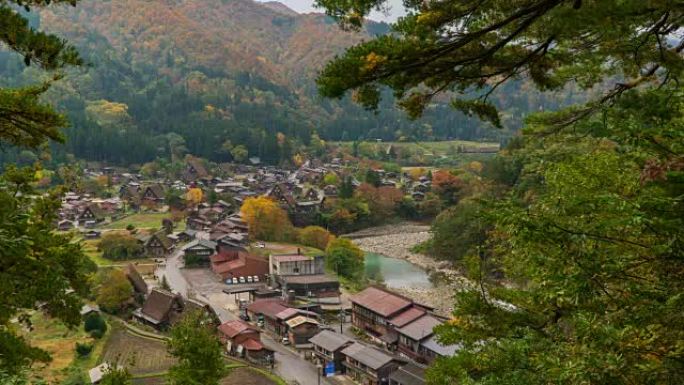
207,284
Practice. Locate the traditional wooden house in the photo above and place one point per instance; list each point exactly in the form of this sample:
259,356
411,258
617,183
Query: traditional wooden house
409,374
430,349
195,170
157,244
330,190
327,348
65,225
244,340
413,334
197,222
311,195
152,194
161,309
368,365
374,309
283,196
300,330
137,281
91,215
198,252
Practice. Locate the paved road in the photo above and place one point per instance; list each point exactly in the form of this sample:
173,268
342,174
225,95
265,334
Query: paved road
289,364
173,274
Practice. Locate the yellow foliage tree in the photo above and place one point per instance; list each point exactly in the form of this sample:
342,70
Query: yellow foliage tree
266,220
194,196
102,180
315,236
475,167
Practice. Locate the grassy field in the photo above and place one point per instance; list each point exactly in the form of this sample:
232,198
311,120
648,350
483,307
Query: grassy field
448,152
57,339
90,249
148,362
142,221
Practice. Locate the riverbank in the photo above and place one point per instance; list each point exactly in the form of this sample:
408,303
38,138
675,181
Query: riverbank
396,241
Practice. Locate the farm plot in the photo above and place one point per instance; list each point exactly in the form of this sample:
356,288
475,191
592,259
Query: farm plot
241,376
247,376
143,356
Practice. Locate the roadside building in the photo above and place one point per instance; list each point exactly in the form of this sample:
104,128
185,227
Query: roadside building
296,264
231,264
316,286
413,334
327,348
374,308
271,314
300,329
368,365
409,374
243,340
198,252
430,349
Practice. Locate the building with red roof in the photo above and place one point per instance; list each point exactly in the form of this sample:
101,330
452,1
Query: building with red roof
377,311
244,340
231,264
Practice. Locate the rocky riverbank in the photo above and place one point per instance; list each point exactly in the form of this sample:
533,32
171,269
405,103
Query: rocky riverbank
396,241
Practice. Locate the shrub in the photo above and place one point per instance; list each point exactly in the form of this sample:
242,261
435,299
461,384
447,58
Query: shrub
94,321
120,246
97,333
130,227
83,350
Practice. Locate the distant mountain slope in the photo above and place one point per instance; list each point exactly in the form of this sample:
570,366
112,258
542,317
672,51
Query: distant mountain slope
223,35
213,71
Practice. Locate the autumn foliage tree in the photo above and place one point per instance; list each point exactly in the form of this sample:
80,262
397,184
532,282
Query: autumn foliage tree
381,201
447,185
266,220
315,236
194,196
114,290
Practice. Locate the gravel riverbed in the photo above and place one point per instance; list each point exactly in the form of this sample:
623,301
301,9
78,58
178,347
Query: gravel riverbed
396,241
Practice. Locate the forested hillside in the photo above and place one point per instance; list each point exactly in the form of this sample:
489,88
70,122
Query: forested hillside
214,71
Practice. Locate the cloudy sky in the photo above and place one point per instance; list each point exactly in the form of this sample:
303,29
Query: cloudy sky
303,6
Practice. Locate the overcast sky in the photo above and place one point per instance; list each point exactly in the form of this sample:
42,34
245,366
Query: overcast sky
304,6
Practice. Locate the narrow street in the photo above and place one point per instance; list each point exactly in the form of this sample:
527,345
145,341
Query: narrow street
289,365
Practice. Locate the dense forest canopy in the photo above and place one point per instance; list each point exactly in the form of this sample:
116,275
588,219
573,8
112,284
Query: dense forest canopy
212,71
575,245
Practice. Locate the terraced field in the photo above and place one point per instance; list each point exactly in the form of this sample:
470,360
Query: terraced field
142,355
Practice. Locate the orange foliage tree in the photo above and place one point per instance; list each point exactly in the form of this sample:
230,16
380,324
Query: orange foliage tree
266,220
381,200
447,185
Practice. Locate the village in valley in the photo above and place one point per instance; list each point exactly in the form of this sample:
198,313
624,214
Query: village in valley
276,305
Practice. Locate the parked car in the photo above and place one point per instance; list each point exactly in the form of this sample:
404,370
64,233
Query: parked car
229,281
235,281
250,279
256,278
242,279
285,341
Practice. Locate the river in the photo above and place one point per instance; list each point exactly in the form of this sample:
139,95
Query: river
396,273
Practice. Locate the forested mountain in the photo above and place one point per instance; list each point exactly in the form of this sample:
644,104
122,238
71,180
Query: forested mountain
218,70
